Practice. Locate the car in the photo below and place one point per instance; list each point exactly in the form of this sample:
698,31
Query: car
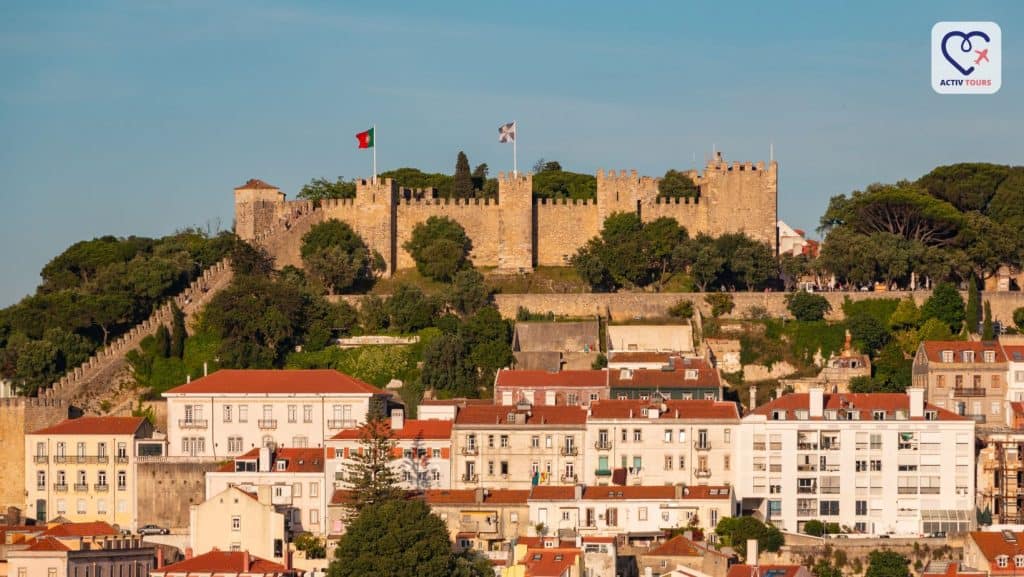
152,529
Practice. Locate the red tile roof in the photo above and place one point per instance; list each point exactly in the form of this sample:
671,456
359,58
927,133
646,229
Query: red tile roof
992,545
952,569
640,357
863,402
541,542
47,544
570,379
467,496
706,376
313,381
677,546
1014,353
549,562
553,493
223,562
674,409
748,570
255,183
299,460
90,529
411,430
933,350
94,426
458,402
537,416
644,492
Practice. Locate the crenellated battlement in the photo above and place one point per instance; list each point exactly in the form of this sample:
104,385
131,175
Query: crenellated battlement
515,231
31,402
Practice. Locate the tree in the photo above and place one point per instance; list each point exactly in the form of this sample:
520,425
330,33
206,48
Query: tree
805,306
682,309
887,563
440,248
868,333
553,184
906,315
409,310
163,341
988,331
313,546
338,257
445,367
973,311
462,184
814,527
824,568
903,210
469,292
791,268
677,184
967,186
946,305
321,188
660,239
1018,318
368,471
178,332
700,257
734,532
398,538
720,303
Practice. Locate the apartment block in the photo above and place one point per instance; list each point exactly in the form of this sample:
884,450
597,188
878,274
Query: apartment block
965,377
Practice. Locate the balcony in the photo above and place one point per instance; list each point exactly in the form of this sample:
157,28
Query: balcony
807,467
812,490
906,490
930,490
702,473
122,487
267,423
40,459
759,446
192,423
340,424
569,479
102,488
472,451
569,451
775,446
60,459
40,487
603,445
470,478
806,512
830,490
705,446
807,446
968,392
60,487
121,459
603,473
81,487
489,526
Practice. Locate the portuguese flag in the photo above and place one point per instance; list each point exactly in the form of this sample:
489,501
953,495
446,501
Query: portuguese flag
365,139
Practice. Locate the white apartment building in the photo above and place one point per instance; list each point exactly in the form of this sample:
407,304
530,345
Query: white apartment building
641,513
660,443
880,463
422,458
231,412
295,478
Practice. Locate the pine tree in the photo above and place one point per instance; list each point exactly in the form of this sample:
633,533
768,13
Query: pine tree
462,185
973,306
369,474
178,333
987,331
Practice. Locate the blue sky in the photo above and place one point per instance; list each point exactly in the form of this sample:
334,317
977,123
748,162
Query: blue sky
140,117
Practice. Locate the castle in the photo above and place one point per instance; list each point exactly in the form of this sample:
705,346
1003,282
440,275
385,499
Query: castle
514,232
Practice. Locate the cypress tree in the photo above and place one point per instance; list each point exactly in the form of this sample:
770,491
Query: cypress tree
178,334
988,333
163,341
462,185
973,306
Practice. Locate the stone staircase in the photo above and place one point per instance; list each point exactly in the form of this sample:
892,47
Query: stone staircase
85,384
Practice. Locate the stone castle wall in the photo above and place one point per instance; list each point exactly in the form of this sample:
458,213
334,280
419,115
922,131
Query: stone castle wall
20,415
514,232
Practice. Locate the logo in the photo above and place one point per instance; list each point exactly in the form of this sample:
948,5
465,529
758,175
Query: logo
967,58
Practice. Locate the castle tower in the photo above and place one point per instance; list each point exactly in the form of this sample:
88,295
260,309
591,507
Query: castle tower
742,197
256,207
373,217
20,415
515,222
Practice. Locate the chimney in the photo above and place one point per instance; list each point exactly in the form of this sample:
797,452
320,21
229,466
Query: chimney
578,492
753,398
397,419
679,490
264,461
478,495
778,392
752,552
188,552
206,369
916,395
159,557
816,397
188,379
245,561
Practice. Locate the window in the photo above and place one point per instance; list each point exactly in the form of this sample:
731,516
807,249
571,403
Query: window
702,439
61,479
236,523
490,441
268,412
829,507
570,471
80,507
728,435
435,475
572,399
726,463
593,396
940,381
101,478
437,453
300,442
41,480
503,468
490,468
81,450
122,451
668,462
297,489
504,441
243,413
314,489
81,478
682,435
234,444
307,413
293,413
62,506
990,357
643,513
548,441
122,480
566,515
1002,560
101,449
668,435
967,356
471,442
60,450
1018,561
314,517
862,507
637,436
682,462
227,413
947,356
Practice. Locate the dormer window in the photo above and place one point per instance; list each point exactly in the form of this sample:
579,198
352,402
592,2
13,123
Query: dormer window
931,415
511,418
967,356
801,415
282,465
947,356
852,415
1002,560
877,415
990,356
691,375
778,415
830,415
1018,561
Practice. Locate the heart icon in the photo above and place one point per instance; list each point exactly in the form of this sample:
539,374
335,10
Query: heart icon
965,47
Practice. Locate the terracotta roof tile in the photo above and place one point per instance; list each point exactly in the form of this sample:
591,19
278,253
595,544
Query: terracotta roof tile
933,350
863,402
692,409
299,460
640,357
549,562
677,546
94,426
466,496
992,545
748,570
1014,353
90,529
706,376
570,379
538,416
313,381
223,562
412,429
47,544
256,184
553,493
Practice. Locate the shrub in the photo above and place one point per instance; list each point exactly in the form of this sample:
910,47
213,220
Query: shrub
805,306
720,303
682,309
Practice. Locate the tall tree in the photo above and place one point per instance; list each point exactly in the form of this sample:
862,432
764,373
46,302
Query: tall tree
973,312
945,304
887,563
462,185
397,538
178,332
988,330
368,471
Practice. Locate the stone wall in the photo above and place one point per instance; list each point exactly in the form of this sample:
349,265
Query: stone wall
514,232
167,487
20,415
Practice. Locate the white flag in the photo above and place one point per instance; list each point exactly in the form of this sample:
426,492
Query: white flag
507,132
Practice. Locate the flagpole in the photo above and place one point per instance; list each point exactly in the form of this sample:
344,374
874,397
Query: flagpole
375,154
515,159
